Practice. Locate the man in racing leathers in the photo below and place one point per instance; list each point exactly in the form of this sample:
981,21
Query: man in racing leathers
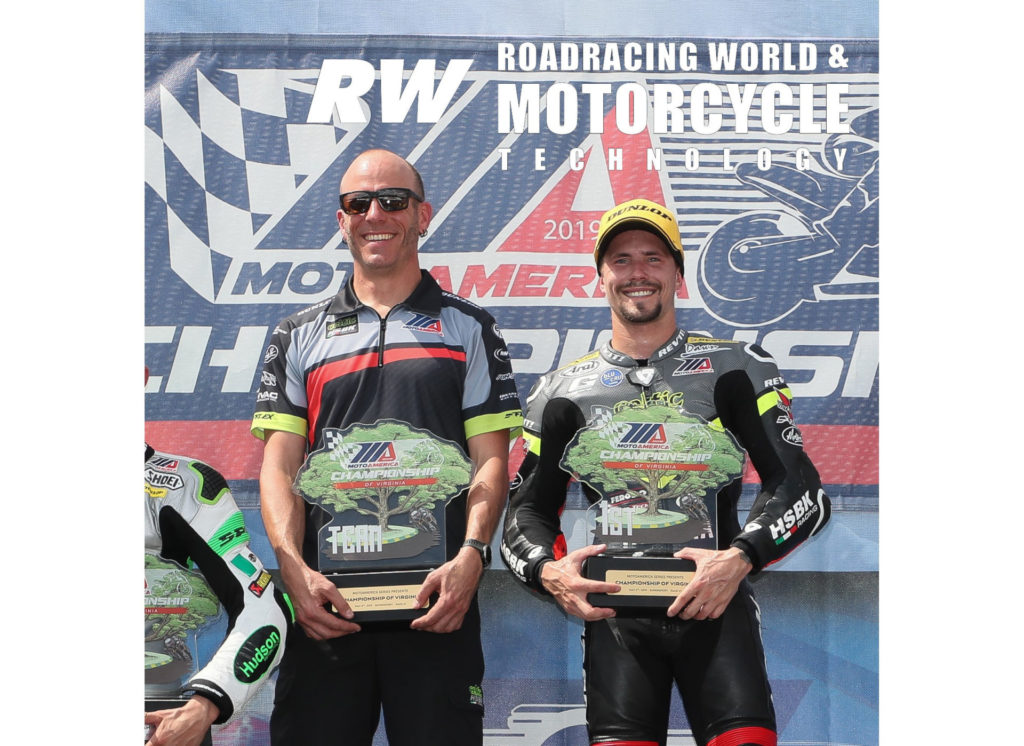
391,345
709,641
193,523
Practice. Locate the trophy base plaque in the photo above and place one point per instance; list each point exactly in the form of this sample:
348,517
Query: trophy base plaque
382,596
649,584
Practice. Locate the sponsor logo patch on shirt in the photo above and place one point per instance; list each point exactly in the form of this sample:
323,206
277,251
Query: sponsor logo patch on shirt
611,378
422,323
339,325
692,366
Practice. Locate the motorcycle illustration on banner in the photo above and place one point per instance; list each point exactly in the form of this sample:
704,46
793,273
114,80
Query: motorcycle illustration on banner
757,268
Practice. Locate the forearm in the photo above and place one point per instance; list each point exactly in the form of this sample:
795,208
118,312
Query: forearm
784,517
488,490
283,512
486,500
532,533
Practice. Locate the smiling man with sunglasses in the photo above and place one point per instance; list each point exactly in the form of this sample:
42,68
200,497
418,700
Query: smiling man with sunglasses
382,216
390,346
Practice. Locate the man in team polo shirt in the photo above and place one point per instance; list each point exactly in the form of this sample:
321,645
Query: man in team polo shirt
391,345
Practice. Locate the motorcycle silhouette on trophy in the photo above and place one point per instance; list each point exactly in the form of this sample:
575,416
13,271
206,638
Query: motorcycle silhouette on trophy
758,267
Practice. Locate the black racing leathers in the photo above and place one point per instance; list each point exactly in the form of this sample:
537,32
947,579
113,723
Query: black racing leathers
730,384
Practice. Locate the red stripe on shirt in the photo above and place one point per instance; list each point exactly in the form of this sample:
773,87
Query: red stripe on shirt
321,376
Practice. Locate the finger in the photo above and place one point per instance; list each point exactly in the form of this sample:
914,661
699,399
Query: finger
591,550
436,612
326,621
600,586
425,621
431,585
690,553
679,604
594,613
336,600
439,619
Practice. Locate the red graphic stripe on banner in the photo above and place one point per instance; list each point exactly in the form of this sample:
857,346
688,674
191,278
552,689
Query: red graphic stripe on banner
844,454
226,445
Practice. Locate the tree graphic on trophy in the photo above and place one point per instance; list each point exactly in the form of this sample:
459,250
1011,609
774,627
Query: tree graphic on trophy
384,488
657,471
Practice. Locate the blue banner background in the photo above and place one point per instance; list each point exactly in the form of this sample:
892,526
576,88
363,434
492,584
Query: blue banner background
820,611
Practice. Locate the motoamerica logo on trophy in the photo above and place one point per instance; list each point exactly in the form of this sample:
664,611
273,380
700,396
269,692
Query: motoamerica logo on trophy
384,488
657,472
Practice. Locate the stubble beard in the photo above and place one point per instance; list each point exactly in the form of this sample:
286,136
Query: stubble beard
630,313
638,315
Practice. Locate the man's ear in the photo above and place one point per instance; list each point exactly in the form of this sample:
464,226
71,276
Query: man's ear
425,212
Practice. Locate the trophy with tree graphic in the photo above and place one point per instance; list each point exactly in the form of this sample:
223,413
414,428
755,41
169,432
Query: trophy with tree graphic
657,471
384,488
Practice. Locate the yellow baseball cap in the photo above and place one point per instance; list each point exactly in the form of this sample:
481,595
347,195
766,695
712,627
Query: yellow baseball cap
644,215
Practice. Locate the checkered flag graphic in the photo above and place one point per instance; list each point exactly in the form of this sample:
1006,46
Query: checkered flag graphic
606,427
231,156
338,449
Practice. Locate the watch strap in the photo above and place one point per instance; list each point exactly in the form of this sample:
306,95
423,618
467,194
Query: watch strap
484,549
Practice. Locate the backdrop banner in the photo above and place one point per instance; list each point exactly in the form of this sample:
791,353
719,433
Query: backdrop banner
765,149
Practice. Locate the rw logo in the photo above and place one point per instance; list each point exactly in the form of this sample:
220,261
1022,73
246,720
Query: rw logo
643,435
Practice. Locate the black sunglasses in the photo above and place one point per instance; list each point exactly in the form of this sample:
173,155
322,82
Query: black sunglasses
390,200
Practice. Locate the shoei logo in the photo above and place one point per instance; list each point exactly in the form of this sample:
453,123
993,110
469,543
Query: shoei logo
156,478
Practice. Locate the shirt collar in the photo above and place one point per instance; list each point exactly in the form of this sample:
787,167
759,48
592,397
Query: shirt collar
425,298
615,357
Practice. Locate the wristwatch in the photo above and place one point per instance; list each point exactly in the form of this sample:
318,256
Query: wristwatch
484,549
